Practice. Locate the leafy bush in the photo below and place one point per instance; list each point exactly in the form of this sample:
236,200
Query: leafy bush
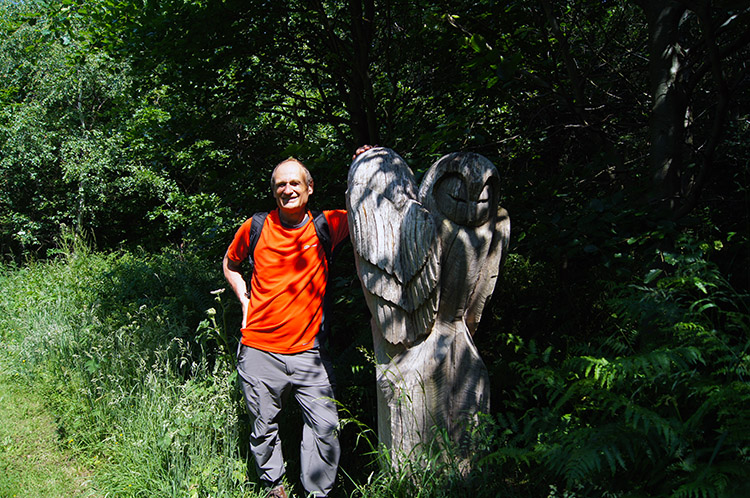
657,407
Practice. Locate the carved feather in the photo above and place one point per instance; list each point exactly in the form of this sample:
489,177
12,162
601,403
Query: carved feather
396,244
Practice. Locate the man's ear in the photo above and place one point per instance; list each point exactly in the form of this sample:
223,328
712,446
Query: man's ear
310,188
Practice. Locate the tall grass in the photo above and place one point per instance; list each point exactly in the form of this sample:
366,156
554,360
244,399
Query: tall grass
109,340
132,353
141,380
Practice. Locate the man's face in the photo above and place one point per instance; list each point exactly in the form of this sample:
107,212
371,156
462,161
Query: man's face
290,188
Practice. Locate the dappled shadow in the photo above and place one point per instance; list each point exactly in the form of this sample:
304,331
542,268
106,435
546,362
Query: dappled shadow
428,260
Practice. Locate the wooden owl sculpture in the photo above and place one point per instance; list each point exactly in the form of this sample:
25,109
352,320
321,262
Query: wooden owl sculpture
428,260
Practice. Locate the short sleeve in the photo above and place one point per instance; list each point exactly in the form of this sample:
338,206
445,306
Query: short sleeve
339,225
239,248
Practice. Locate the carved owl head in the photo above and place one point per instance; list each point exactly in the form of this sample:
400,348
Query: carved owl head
464,187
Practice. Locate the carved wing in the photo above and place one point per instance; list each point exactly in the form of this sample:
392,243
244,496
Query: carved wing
396,245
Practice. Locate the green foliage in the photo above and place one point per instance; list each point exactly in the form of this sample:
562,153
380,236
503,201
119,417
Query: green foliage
141,134
141,125
108,341
62,133
435,470
656,407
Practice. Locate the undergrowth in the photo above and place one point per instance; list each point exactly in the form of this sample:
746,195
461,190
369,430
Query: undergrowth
657,405
132,353
109,341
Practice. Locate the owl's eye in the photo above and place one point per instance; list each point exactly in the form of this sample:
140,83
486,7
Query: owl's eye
455,201
451,198
482,207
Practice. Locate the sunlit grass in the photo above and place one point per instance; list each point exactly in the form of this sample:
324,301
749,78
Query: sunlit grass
32,464
143,394
137,395
134,399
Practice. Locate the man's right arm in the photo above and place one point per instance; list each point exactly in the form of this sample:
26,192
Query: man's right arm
233,274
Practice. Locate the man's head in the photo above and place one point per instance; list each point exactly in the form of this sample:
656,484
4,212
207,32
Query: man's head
291,184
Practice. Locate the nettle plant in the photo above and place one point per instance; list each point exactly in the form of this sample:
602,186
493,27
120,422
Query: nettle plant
659,405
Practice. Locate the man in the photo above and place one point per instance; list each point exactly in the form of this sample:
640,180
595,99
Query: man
282,315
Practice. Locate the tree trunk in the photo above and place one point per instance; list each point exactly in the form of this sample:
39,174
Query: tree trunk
361,94
669,98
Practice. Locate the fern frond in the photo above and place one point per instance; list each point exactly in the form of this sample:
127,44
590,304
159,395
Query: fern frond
724,479
622,371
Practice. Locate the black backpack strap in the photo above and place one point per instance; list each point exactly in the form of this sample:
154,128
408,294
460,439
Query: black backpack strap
324,233
255,228
324,237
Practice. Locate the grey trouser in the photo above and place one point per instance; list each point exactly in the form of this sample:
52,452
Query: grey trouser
266,378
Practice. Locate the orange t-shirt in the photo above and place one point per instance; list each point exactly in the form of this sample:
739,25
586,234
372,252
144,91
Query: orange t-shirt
288,282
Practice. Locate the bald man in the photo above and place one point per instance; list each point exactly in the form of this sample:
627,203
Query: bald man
282,312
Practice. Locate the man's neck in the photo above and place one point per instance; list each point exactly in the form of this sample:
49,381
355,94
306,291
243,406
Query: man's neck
292,219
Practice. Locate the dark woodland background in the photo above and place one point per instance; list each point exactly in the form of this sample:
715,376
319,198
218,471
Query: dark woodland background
617,338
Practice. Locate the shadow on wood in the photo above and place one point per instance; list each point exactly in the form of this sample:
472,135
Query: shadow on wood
428,261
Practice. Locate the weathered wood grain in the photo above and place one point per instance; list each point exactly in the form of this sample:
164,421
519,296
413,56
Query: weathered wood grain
428,261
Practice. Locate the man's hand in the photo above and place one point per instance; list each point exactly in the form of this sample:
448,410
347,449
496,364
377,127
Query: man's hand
361,150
